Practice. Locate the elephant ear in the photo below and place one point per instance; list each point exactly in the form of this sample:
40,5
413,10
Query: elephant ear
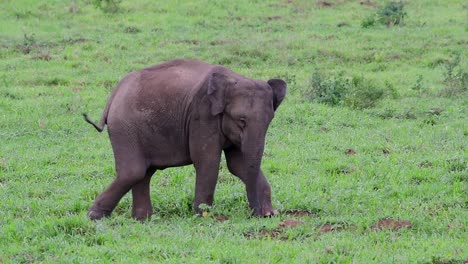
279,91
218,83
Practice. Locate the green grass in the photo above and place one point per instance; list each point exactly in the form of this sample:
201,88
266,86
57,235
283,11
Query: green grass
61,58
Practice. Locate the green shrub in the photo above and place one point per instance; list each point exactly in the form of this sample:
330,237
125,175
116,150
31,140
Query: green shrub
368,22
329,91
355,92
455,78
107,6
391,14
363,93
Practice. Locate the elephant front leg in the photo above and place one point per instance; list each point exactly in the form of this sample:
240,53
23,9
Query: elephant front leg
206,165
207,176
258,188
259,196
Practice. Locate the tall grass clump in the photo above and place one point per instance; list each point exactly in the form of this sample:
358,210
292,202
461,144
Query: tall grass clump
355,92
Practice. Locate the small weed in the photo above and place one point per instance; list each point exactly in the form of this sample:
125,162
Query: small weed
132,30
55,81
29,41
73,7
368,22
418,86
456,165
430,121
440,260
390,14
23,14
107,6
455,77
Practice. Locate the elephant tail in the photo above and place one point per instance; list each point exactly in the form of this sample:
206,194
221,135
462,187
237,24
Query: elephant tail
127,80
99,127
102,123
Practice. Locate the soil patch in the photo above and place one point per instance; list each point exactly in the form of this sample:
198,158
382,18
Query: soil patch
426,164
391,224
45,56
275,233
290,223
350,152
270,18
332,227
368,3
298,213
221,218
324,4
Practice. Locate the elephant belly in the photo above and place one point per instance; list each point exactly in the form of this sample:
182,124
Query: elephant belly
165,147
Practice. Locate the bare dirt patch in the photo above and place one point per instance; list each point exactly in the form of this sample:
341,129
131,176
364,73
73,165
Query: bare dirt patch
275,233
299,213
221,218
272,18
350,152
332,227
391,224
76,40
45,56
386,151
368,3
290,223
425,164
322,4
219,42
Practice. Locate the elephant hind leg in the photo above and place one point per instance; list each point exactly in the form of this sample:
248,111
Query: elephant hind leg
142,208
129,173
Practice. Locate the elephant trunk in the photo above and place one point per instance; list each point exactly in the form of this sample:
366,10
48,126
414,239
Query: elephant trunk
253,143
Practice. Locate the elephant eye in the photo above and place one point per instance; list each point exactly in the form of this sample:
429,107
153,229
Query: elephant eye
242,122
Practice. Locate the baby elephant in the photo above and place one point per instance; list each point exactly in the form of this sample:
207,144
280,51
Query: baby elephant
185,112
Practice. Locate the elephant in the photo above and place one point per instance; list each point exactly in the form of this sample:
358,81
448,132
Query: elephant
184,112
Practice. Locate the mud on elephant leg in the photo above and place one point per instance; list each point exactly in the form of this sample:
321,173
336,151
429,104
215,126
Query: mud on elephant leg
258,190
142,208
105,203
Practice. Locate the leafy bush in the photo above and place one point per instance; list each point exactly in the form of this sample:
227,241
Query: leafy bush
368,22
355,92
329,91
363,93
391,14
455,77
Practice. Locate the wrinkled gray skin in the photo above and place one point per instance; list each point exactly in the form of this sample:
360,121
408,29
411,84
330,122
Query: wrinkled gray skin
187,112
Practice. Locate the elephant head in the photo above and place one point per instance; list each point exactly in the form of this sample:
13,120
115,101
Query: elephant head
246,108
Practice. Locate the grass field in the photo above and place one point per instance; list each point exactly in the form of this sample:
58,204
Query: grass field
381,184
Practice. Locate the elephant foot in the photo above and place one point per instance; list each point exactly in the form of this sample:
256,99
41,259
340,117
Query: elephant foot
142,214
96,214
265,212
